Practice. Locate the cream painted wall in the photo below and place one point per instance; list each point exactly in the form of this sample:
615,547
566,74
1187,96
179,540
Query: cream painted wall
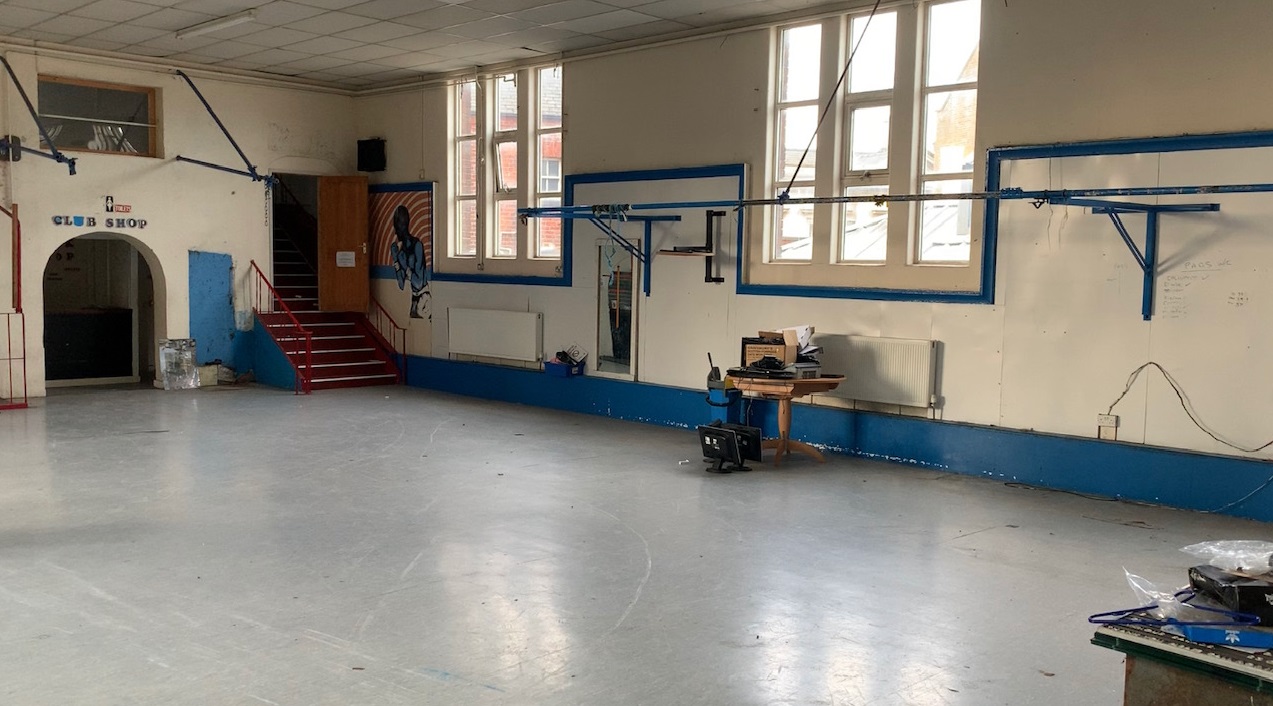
1065,331
185,207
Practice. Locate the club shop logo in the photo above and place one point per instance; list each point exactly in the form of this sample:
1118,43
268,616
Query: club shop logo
92,221
114,221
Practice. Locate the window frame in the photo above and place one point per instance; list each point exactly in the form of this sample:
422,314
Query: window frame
525,267
152,125
901,275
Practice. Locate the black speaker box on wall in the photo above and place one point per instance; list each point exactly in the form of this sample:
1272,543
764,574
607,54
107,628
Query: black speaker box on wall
371,155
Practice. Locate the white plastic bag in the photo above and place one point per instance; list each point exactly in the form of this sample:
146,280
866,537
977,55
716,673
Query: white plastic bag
1148,594
1248,556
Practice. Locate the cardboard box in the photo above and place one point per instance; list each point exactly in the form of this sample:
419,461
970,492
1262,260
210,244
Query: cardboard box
779,344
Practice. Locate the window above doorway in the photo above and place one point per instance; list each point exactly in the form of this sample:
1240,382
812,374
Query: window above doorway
90,116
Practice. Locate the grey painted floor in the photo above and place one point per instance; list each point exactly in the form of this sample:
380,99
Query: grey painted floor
392,546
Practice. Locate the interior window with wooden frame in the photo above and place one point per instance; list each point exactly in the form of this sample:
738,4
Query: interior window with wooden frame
506,140
902,121
94,116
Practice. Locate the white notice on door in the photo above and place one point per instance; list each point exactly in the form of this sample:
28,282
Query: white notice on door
345,258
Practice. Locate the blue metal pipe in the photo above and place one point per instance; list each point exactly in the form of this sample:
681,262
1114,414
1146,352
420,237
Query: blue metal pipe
1103,206
1151,266
251,171
55,154
614,235
5,144
269,180
1127,238
1010,194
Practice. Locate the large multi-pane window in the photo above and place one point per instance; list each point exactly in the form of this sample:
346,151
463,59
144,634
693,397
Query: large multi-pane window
548,167
904,121
506,154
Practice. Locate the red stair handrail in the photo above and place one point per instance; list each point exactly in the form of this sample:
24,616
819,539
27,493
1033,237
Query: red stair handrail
303,380
379,312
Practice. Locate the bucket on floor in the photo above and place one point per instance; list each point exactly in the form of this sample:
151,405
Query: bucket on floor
724,405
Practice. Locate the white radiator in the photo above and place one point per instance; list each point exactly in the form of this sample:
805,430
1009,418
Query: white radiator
513,335
899,371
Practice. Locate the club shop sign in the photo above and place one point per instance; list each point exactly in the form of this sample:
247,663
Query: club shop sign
113,219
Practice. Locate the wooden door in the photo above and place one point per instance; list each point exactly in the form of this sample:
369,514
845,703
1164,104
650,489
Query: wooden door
344,277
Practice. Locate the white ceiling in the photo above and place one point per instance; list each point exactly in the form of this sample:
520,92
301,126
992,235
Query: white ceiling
357,44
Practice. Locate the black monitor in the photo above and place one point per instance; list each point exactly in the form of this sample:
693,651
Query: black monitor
748,440
721,445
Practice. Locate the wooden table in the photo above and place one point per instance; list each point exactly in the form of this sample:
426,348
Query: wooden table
784,391
1167,670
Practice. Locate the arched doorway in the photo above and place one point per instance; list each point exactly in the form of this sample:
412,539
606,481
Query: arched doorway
102,315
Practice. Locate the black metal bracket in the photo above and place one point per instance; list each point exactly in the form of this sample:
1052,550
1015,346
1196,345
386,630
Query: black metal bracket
707,249
250,172
11,148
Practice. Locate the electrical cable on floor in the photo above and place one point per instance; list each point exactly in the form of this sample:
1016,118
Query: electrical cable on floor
831,99
1193,417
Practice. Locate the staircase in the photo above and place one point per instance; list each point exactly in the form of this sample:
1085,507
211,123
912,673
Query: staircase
294,277
347,351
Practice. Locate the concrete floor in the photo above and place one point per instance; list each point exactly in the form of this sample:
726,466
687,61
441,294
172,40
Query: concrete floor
393,546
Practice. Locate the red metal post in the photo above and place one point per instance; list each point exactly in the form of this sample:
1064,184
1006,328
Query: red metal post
16,229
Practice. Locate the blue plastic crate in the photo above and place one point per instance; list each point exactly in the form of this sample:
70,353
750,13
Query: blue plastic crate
561,370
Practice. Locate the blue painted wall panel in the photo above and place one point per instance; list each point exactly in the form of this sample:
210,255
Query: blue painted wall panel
1113,469
212,306
271,366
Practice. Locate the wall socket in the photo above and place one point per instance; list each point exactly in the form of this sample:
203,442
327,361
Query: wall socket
1107,427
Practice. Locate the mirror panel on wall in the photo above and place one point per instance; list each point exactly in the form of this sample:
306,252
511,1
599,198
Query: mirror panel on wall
616,312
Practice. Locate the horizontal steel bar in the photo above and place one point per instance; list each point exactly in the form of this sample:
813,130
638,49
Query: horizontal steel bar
1012,194
97,120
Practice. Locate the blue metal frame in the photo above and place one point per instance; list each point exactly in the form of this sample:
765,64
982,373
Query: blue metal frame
54,153
1184,143
992,196
570,213
251,172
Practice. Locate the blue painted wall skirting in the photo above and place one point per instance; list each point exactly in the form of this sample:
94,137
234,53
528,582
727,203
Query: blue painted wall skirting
1129,471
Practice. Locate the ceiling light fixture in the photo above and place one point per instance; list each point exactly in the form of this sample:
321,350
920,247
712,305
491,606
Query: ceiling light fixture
217,24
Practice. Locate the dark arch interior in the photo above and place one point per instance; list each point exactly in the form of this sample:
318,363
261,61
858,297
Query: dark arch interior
99,313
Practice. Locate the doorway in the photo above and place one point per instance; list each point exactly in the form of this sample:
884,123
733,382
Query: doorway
295,245
99,314
320,242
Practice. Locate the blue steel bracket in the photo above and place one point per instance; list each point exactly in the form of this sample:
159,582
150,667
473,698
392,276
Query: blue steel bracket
592,214
14,148
250,172
1147,260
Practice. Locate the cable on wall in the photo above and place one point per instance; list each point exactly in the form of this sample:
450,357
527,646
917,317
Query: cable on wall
831,100
1185,404
1193,417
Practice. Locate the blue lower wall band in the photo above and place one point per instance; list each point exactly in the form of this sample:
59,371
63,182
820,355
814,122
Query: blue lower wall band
1183,479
